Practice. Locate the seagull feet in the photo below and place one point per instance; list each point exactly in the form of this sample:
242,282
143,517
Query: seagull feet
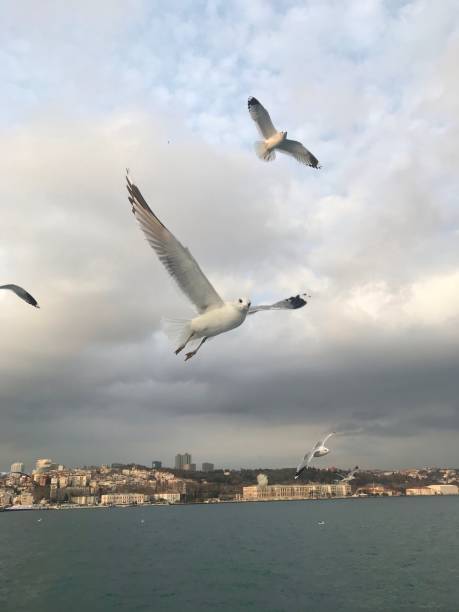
190,355
180,348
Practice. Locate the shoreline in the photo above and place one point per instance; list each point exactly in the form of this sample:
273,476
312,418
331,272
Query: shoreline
202,503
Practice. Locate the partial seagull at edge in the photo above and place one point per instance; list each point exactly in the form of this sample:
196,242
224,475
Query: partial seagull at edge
21,293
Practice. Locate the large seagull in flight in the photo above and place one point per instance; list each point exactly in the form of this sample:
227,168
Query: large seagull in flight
276,141
319,450
215,316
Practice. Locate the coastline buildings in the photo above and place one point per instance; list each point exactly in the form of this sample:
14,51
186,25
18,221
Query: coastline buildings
207,467
434,489
285,492
156,465
121,499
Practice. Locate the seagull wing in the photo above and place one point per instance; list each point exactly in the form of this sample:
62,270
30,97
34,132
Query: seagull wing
177,259
291,303
299,152
304,464
328,436
22,293
261,117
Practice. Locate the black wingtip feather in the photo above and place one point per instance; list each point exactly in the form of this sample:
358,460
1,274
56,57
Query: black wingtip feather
297,302
252,101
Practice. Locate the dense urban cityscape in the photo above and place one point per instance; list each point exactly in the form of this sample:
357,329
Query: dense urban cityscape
54,486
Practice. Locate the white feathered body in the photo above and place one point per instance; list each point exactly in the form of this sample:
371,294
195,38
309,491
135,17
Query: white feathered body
218,320
272,142
320,452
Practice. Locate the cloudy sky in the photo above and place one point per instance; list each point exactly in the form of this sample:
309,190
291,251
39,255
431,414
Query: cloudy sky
371,88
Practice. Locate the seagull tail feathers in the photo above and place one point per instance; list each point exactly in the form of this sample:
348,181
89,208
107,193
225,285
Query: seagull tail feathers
263,152
177,330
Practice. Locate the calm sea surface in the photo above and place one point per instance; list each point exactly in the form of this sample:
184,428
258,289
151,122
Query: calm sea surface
372,554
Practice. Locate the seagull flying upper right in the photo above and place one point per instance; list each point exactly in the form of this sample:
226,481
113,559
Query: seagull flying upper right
276,141
214,315
22,293
319,450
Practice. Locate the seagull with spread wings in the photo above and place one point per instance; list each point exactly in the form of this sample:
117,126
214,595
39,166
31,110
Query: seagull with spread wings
21,293
351,476
276,141
319,450
215,316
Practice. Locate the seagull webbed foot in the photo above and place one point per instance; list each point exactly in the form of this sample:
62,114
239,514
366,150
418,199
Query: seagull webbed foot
190,355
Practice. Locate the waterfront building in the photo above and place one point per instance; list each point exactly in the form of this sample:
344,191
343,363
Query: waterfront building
444,489
26,498
172,498
84,500
156,465
189,467
17,467
287,491
181,460
207,467
6,497
419,491
123,499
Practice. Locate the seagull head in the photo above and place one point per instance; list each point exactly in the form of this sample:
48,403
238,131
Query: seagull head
242,304
284,135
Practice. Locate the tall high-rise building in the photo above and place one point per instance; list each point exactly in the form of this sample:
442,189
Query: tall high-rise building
207,467
43,465
189,467
156,465
17,467
181,460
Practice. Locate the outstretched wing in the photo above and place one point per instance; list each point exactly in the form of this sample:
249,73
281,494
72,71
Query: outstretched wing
291,303
327,436
261,117
299,152
177,259
304,464
22,293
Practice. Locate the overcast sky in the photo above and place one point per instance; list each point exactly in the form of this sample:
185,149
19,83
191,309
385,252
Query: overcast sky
371,87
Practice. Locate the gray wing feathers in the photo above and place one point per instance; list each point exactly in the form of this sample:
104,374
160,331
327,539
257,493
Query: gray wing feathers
21,293
176,258
299,152
291,303
261,117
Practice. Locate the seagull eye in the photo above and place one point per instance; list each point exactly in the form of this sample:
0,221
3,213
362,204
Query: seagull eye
240,301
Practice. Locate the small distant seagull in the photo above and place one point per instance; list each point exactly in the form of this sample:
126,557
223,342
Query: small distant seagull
22,293
321,523
215,316
319,450
349,477
276,141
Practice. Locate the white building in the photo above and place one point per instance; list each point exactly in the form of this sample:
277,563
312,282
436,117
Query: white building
84,500
123,499
172,498
305,491
17,467
25,498
444,489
